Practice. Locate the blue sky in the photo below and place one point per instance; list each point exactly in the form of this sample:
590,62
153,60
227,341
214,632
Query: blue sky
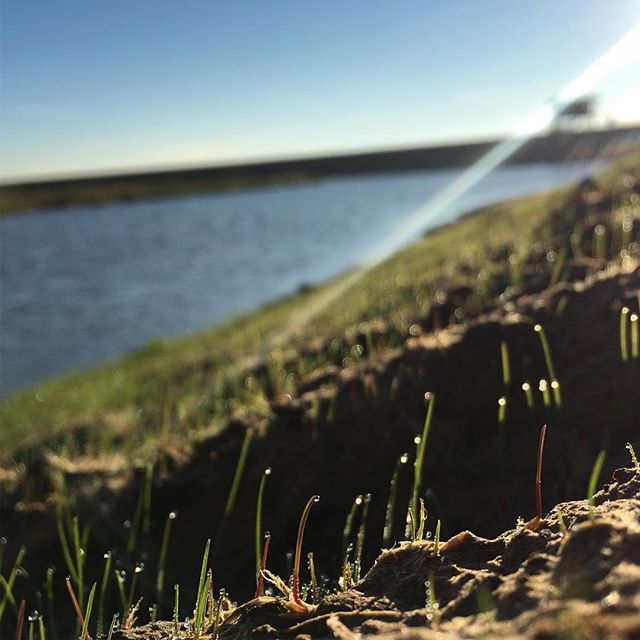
101,85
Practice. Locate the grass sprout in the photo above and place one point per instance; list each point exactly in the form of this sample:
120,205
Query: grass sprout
635,337
87,613
544,390
348,523
506,369
164,547
263,565
77,608
393,496
295,576
528,394
143,509
417,469
502,409
8,584
112,626
20,620
436,548
543,433
314,582
176,609
237,476
549,361
632,453
201,599
624,346
258,533
422,520
103,592
593,482
360,538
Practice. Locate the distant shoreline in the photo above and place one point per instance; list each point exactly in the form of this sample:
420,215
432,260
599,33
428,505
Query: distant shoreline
556,147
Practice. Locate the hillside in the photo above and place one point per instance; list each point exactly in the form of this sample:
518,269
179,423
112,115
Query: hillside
507,320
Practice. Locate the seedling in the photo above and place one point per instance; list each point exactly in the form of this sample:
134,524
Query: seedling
50,604
76,606
348,524
103,591
201,599
526,387
176,610
164,547
632,453
20,620
593,482
544,390
87,613
506,369
391,504
423,518
295,576
237,477
8,584
635,337
543,432
134,580
259,535
417,469
561,523
314,582
143,509
121,576
263,565
217,612
502,409
624,347
112,626
360,538
436,548
547,356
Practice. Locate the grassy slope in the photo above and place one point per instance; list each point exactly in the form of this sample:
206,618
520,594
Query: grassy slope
180,375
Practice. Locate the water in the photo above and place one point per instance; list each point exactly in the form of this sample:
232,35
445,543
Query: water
82,285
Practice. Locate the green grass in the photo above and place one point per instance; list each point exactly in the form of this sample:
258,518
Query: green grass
173,391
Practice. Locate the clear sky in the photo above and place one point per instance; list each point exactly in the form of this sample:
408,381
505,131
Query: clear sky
101,85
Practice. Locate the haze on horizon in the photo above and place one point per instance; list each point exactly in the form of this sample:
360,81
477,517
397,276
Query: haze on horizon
98,88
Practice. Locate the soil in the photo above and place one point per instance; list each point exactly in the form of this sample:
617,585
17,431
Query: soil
578,580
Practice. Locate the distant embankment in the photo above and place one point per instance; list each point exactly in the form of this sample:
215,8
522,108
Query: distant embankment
556,147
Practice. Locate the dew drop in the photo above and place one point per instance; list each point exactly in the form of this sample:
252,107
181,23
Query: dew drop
172,515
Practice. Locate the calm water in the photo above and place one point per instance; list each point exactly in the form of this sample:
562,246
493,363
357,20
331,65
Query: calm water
79,286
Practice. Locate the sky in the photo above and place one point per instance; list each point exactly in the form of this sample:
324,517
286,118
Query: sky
100,86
